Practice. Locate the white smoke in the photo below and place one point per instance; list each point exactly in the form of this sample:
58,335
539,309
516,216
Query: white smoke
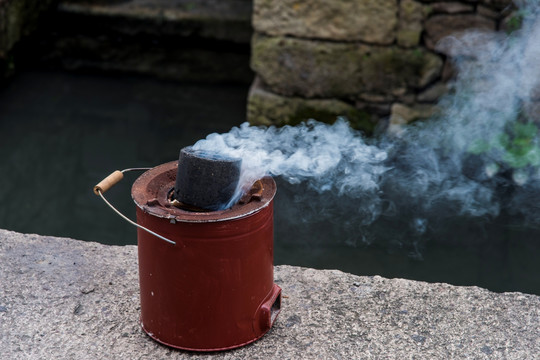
328,157
472,159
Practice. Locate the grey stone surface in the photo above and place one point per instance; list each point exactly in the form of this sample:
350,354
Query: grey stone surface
493,3
267,108
292,66
488,12
68,299
432,93
497,4
370,53
451,7
411,19
372,21
402,114
307,68
439,26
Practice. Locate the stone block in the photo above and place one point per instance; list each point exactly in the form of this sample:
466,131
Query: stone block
402,114
411,18
451,7
267,108
449,70
438,27
438,1
392,70
497,4
371,21
432,93
307,68
298,67
376,109
488,12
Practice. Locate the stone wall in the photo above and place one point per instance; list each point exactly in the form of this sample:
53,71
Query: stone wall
366,59
18,18
172,39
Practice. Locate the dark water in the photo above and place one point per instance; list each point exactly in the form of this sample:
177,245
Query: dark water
62,133
500,253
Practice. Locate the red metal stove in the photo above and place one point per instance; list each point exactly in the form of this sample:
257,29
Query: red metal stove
214,288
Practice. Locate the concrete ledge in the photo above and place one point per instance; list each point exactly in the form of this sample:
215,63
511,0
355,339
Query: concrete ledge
68,299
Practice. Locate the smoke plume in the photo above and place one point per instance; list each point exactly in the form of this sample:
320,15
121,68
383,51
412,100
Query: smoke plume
478,157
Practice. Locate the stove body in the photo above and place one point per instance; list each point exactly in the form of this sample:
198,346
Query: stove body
214,289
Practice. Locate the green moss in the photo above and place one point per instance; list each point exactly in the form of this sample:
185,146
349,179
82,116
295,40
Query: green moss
408,37
515,22
516,148
265,108
307,68
358,119
408,9
394,68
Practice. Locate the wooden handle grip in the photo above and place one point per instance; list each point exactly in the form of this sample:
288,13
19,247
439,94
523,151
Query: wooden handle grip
108,182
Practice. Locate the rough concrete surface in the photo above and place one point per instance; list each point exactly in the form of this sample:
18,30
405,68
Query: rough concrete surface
68,299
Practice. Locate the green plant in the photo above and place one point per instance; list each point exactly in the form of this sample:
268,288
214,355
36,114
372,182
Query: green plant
515,21
515,148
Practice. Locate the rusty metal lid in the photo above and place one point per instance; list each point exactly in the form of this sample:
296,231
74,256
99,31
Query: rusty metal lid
152,191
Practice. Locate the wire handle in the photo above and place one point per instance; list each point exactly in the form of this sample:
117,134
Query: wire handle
112,180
